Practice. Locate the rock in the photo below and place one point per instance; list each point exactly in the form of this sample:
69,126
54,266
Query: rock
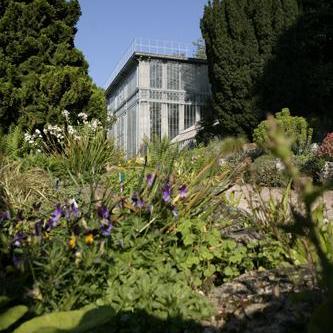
275,301
254,308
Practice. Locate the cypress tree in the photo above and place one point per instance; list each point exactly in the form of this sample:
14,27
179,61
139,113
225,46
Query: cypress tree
300,75
240,37
41,71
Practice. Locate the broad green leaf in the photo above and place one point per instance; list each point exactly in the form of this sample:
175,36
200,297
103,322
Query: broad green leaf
83,320
11,316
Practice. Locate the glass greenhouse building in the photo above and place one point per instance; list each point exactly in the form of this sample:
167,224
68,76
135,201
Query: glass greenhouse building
158,89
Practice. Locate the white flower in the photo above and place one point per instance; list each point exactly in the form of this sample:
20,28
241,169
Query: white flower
37,131
74,203
27,137
71,129
83,116
65,113
94,124
279,165
314,147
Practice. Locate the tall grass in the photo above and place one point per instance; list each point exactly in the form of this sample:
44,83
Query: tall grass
88,155
21,188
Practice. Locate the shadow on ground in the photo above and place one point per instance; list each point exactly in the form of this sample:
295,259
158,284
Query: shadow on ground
287,313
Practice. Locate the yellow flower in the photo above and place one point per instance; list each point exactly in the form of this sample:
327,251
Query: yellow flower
89,239
72,242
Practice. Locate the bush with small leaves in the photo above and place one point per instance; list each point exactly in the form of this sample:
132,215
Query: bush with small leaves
295,129
266,171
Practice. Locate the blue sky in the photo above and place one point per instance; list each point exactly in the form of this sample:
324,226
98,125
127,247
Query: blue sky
107,27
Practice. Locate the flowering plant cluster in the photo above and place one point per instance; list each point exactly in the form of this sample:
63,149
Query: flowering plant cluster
158,195
130,238
69,222
26,232
326,148
54,136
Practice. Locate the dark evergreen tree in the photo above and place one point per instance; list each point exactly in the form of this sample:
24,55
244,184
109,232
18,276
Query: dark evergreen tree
41,71
300,75
240,37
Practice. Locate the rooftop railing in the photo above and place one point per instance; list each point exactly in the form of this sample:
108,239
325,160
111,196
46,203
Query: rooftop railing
156,47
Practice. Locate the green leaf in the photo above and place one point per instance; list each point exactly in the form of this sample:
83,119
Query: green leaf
210,270
11,316
192,260
229,271
83,320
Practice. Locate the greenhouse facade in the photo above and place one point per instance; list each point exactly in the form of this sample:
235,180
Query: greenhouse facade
159,89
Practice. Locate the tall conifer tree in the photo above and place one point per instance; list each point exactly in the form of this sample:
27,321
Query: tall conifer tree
41,71
300,75
240,37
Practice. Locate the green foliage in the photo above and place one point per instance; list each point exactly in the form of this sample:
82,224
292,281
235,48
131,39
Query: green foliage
79,321
240,37
294,128
12,315
311,165
162,150
161,253
12,144
159,291
41,72
89,156
264,172
300,73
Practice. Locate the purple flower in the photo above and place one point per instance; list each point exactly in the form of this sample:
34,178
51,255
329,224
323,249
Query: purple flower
140,203
106,229
72,211
137,201
150,179
74,208
55,217
183,191
166,192
4,216
103,212
18,238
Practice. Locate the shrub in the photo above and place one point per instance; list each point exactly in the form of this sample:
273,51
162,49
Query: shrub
312,166
12,144
294,128
265,171
90,155
326,148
